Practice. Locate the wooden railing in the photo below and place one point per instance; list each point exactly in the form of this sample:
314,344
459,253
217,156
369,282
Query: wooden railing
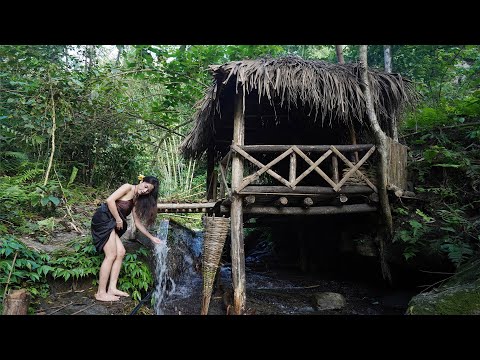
293,151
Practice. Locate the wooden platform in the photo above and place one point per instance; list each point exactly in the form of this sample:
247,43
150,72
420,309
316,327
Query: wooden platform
185,207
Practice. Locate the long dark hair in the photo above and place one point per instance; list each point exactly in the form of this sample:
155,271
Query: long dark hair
146,205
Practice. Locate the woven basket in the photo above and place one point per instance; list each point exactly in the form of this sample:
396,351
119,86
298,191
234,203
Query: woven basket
216,230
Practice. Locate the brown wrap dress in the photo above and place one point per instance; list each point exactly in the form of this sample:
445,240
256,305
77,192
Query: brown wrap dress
103,222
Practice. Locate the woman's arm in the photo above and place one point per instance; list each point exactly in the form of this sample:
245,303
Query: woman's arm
117,194
142,228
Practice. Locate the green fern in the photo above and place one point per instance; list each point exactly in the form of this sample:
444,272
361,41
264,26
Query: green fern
458,253
15,155
29,175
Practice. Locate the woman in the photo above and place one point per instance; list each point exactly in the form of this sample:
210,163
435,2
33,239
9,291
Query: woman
109,223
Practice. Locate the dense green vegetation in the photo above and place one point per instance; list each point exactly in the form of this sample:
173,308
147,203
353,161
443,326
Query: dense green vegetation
78,121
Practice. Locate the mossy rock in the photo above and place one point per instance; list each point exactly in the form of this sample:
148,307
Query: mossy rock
459,296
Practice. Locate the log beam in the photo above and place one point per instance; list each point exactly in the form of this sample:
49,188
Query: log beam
281,201
307,202
316,210
307,190
304,148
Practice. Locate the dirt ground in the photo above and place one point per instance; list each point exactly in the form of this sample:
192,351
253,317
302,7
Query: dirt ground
66,300
272,292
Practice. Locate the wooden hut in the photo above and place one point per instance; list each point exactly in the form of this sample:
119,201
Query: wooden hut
287,136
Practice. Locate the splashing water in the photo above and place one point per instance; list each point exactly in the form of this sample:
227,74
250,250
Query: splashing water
164,284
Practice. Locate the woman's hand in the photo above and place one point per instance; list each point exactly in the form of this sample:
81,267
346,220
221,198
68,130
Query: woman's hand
156,240
120,225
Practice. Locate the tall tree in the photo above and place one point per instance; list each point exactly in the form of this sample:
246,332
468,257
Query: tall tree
339,50
387,54
382,148
353,135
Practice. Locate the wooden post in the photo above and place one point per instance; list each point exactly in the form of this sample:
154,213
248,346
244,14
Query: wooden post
293,168
236,210
16,303
210,171
353,137
335,177
222,188
214,185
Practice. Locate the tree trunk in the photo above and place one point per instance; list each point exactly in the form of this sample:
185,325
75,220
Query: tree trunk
119,54
339,50
381,140
16,303
388,58
387,52
54,127
353,135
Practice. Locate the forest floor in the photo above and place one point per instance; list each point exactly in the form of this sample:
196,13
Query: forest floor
272,293
269,291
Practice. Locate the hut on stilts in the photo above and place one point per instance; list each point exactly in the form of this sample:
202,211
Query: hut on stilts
288,136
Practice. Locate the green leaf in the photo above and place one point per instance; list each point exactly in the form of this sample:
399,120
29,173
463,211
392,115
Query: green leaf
73,175
54,200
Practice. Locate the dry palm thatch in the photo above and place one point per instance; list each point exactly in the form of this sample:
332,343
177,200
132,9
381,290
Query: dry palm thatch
329,90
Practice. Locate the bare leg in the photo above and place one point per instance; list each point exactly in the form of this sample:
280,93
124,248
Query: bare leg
110,250
117,265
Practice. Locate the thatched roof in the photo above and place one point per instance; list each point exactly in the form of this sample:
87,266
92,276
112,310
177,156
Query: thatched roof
330,91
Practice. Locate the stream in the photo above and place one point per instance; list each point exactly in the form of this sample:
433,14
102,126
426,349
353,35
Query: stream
271,288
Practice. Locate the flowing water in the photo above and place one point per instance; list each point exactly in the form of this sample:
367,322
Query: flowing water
270,291
164,283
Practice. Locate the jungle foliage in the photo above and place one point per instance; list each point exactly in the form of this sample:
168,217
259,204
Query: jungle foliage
99,116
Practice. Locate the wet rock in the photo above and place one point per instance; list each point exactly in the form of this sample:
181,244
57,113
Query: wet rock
328,301
460,295
456,300
183,256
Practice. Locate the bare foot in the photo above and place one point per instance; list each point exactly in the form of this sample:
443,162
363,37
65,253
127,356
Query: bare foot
118,292
106,297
